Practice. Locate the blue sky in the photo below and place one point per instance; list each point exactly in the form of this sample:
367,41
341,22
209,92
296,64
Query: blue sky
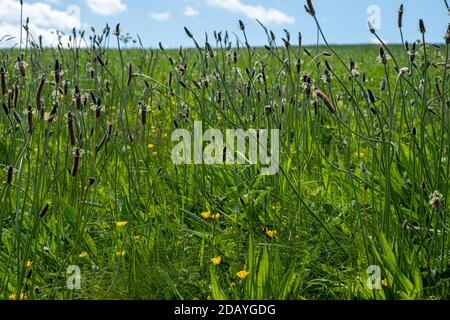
163,20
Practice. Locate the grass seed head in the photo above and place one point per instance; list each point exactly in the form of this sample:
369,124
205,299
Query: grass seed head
400,16
3,81
5,108
44,211
422,27
39,92
310,8
130,74
9,174
325,100
241,25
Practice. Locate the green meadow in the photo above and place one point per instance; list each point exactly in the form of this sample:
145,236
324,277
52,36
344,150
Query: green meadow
358,208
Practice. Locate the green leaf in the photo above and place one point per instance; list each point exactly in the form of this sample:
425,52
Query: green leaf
217,292
263,274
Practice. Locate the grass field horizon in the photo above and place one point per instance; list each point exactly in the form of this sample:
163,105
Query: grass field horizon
92,205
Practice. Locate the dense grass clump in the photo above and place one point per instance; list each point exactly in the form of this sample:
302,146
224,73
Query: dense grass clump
89,180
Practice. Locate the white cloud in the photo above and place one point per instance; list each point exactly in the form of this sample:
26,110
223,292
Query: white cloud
44,20
106,7
190,12
265,15
53,1
160,16
41,14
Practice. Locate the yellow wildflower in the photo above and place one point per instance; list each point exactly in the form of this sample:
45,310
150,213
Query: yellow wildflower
14,297
150,146
242,274
384,282
83,254
206,214
216,260
271,233
216,216
29,264
120,253
121,224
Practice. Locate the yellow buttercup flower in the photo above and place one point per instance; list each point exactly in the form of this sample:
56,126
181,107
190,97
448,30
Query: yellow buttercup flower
83,254
14,297
121,224
271,233
242,274
120,253
206,214
150,146
29,264
216,260
384,282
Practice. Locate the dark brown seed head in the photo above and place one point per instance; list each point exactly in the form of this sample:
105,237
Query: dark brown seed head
143,113
383,85
22,66
57,71
54,108
326,101
3,81
352,64
17,117
39,92
310,8
9,174
65,87
400,16
100,61
130,73
42,109
210,50
189,34
422,26
241,25
383,57
15,94
30,119
76,162
5,108
70,129
91,181
10,99
298,65
44,211
371,96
